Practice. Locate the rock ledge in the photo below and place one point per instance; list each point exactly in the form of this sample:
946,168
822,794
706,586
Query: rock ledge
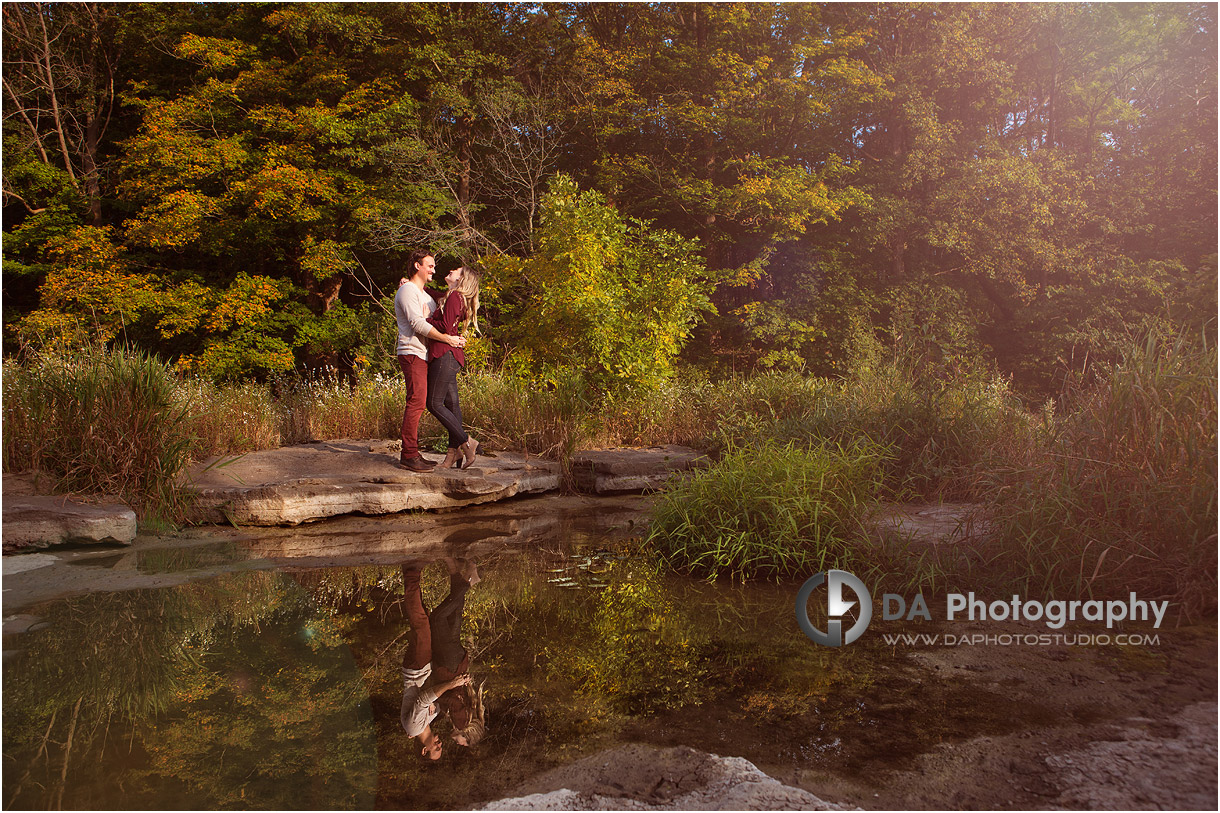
295,484
606,471
32,522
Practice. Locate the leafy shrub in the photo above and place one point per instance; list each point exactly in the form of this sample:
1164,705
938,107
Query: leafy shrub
606,296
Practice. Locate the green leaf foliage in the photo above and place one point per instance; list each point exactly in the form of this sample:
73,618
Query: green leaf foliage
1041,176
613,293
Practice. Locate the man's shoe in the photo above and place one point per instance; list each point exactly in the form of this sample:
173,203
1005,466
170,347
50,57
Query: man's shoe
416,464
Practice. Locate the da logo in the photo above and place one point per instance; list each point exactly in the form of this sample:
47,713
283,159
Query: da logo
836,608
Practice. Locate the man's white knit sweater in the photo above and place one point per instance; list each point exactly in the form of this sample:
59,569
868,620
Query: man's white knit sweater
412,307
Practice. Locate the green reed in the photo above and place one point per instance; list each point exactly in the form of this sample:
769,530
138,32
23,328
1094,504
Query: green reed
770,510
1124,496
108,423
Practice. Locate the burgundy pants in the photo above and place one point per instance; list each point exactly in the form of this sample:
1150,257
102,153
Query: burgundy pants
415,375
419,643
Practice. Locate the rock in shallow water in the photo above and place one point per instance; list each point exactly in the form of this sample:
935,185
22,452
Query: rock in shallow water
608,471
32,522
645,777
296,484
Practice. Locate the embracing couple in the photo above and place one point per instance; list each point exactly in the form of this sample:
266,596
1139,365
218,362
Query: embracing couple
435,655
430,352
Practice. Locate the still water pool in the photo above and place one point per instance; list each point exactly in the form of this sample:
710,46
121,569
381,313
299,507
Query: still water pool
261,669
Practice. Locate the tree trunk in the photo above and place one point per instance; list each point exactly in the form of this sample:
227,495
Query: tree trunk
706,144
464,138
55,112
898,250
1052,135
93,190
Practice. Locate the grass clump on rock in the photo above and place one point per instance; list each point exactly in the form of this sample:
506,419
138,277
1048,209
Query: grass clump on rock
769,510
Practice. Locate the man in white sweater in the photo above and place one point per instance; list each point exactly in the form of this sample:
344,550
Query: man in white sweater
412,307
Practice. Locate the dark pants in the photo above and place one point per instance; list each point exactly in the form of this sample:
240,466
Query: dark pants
448,655
437,634
443,397
446,621
415,376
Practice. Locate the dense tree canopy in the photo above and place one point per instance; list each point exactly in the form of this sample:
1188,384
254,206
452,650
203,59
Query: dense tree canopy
236,186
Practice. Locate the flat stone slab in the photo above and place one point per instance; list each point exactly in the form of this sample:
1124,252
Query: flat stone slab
608,471
156,561
295,484
33,522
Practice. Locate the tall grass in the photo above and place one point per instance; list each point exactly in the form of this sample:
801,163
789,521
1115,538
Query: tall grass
1111,490
936,438
325,410
108,423
686,410
501,411
940,436
233,418
511,413
1124,497
769,510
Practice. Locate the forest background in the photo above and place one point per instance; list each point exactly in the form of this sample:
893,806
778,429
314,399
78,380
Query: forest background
236,187
861,254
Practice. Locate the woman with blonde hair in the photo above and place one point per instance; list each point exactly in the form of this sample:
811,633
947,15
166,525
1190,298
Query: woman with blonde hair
458,316
462,701
467,714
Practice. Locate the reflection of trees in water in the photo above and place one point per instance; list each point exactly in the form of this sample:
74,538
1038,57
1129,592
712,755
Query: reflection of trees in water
233,692
240,692
371,588
634,647
645,644
565,668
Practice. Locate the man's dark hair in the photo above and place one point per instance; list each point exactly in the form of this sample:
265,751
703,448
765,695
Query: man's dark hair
417,256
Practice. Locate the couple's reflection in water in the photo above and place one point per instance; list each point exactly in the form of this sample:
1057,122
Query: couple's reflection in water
435,665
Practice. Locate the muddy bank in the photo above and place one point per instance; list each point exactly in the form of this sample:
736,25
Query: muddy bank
1077,727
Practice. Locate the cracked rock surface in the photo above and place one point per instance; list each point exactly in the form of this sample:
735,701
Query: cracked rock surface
645,777
310,481
1168,764
33,522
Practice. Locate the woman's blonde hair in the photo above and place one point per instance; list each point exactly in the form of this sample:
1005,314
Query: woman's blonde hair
476,726
468,287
